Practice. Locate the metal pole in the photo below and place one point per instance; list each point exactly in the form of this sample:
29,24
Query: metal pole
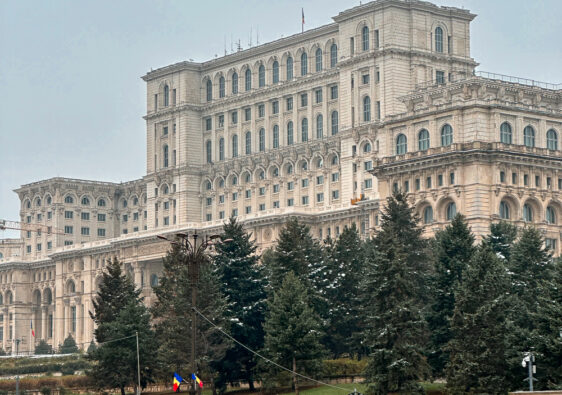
18,376
530,368
194,276
138,364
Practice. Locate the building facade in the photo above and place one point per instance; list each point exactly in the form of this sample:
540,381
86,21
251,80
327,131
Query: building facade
322,125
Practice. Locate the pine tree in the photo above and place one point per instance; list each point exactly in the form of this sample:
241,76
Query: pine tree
119,314
244,286
292,330
477,350
68,346
454,247
501,238
345,264
43,348
394,294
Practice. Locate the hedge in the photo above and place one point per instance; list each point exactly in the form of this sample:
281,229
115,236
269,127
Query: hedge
34,383
343,367
45,367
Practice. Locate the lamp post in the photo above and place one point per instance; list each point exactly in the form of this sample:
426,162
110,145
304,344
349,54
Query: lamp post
194,255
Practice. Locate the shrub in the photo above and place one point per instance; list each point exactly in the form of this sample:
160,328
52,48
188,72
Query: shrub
43,348
69,346
343,367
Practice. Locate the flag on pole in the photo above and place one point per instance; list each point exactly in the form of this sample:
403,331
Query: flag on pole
177,382
32,331
302,10
197,380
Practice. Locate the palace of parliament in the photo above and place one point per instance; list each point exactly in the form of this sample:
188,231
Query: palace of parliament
322,125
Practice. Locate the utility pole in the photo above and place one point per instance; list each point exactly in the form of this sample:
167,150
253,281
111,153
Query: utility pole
17,376
531,368
138,364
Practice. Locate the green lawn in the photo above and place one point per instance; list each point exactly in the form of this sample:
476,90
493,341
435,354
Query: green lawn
333,391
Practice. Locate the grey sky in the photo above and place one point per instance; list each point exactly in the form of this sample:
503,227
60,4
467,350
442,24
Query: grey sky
71,99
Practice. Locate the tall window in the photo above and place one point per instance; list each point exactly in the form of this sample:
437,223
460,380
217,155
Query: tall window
504,210
366,109
318,60
529,136
289,68
222,89
551,140
275,72
334,122
209,152
319,126
438,39
365,38
333,55
550,215
248,80
166,96
221,149
505,133
527,213
451,211
234,83
261,76
261,137
304,64
165,152
304,130
401,144
423,140
234,146
209,90
275,136
290,133
367,148
446,135
248,143
427,215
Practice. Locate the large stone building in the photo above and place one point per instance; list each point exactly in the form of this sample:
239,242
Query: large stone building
321,125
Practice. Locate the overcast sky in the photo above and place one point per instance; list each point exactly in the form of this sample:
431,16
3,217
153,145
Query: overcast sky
71,97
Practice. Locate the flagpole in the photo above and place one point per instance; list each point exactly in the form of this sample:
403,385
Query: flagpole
302,24
138,363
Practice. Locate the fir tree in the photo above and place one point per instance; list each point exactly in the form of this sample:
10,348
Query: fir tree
244,286
120,314
43,348
394,293
292,330
68,346
454,247
477,350
501,238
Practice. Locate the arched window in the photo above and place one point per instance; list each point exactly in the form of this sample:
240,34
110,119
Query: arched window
101,202
304,64
318,60
365,38
38,202
275,172
504,210
208,185
527,213
49,200
334,122
153,280
529,136
320,163
85,201
221,183
209,90
221,149
505,133
366,109
550,215
234,83
247,178
290,169
427,215
248,80
438,39
261,76
304,165
335,160
333,55
9,297
222,88
234,180
261,175
209,147
367,148
69,199
423,140
165,155
289,68
166,96
234,146
248,143
304,130
319,126
275,72
451,211
446,135
290,133
28,204
551,140
275,136
261,137
70,287
401,144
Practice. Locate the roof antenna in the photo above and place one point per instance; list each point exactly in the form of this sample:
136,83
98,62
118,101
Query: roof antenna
250,43
225,45
258,35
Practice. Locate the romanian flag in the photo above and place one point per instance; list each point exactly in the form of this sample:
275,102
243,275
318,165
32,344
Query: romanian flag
177,382
32,331
197,380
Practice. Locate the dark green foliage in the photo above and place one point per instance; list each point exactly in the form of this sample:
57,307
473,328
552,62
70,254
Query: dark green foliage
345,270
92,347
68,346
394,295
477,351
119,314
44,348
501,238
454,247
244,286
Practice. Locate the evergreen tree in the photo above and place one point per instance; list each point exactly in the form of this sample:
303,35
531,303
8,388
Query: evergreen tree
68,346
477,350
292,330
394,293
92,348
120,314
501,238
454,247
244,286
345,265
44,348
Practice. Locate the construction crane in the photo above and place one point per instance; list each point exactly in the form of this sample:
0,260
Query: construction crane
29,227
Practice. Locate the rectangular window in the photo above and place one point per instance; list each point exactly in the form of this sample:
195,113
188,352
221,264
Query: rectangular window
135,216
28,249
276,204
502,176
368,165
304,182
514,178
352,45
101,217
417,184
334,92
28,219
440,180
451,178
68,214
221,121
428,182
304,200
276,188
304,100
318,95
155,102
406,186
365,79
85,216
221,214
290,202
165,130
234,196
319,180
548,183
368,183
248,193
262,191
247,114
126,217
320,197
248,209
378,110
85,231
209,217
166,222
49,245
166,207
126,231
290,185
289,103
38,246
235,212
208,124
275,107
440,77
101,232
395,187
525,180
136,229
221,199
550,244
39,217
28,234
335,177
335,194
376,38
49,215
68,230
234,117
537,181
262,207
209,201
261,110
377,76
